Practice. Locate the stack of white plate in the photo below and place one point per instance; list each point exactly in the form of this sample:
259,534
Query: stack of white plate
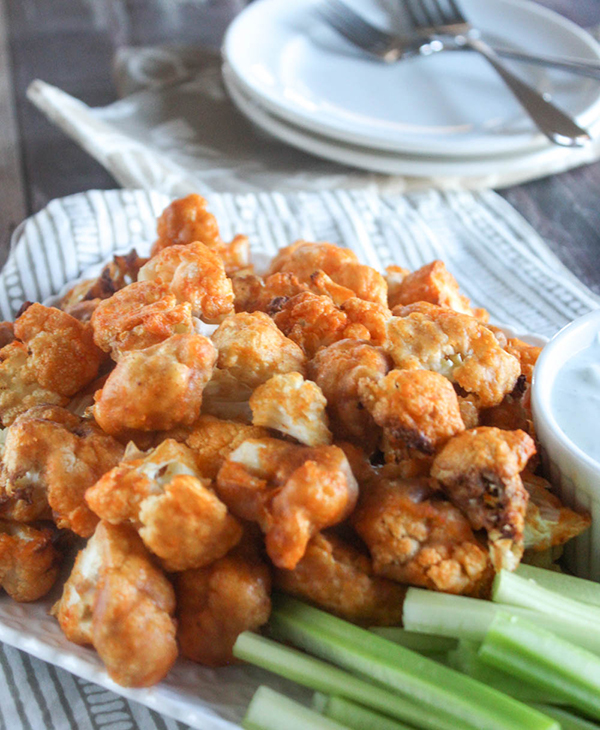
447,115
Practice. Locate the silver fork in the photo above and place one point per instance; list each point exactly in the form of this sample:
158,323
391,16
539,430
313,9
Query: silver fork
443,18
392,47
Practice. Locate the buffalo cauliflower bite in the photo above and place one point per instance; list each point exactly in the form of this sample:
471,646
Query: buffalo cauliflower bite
51,456
117,600
254,294
416,536
163,496
29,562
480,472
548,522
292,492
252,349
196,275
213,439
526,354
7,333
293,406
338,370
419,408
215,604
225,397
138,316
435,284
52,358
314,321
340,265
157,388
336,577
457,346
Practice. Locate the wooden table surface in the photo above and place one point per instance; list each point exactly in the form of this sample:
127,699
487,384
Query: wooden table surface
70,44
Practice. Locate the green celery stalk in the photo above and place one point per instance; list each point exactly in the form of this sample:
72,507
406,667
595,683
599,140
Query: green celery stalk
269,710
465,658
586,591
354,716
568,721
535,655
323,677
470,618
419,642
514,590
445,691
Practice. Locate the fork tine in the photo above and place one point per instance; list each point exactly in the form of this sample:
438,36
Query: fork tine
419,14
354,28
457,12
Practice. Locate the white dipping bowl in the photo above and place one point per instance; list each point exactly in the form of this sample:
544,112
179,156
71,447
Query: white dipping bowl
574,474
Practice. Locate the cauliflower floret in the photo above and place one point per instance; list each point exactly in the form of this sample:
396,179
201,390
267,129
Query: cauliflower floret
157,388
213,439
416,536
118,601
394,276
338,370
164,497
435,284
138,316
293,406
335,576
418,408
7,333
225,397
52,358
252,349
339,264
29,562
480,472
526,354
255,294
314,321
548,523
194,274
457,346
291,491
215,604
51,456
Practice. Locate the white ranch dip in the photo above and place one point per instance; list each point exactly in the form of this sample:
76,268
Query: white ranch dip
576,399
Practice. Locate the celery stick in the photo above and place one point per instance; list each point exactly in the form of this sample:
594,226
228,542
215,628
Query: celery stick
470,618
269,710
568,721
466,659
445,691
354,716
514,590
586,591
323,677
419,642
537,656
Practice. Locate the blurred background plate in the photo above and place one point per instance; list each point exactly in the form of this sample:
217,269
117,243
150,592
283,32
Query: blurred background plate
449,104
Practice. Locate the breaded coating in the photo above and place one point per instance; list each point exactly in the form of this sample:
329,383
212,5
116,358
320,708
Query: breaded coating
336,577
225,397
215,604
416,407
293,406
480,472
117,600
338,370
52,358
163,496
7,333
254,293
29,562
138,316
213,439
513,413
51,456
196,275
548,522
526,354
314,321
157,388
457,346
435,284
394,276
187,220
291,491
252,349
416,536
305,259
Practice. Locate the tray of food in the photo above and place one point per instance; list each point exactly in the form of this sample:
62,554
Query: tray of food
208,457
